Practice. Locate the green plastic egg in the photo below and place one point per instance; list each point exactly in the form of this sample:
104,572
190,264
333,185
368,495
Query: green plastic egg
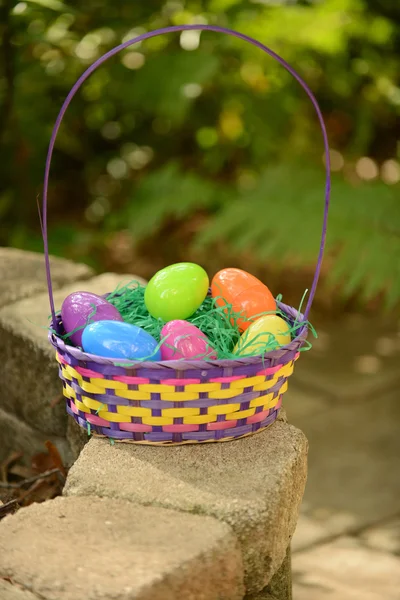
176,292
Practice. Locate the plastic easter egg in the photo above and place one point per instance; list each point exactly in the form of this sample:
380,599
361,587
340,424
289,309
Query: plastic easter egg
81,308
119,340
247,295
184,340
176,292
265,334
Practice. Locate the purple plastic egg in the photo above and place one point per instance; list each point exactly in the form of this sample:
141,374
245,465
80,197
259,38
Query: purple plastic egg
81,308
184,340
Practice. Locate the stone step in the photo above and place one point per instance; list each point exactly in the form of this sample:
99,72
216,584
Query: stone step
22,274
103,549
254,484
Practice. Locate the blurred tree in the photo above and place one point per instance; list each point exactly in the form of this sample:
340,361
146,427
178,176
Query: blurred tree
202,124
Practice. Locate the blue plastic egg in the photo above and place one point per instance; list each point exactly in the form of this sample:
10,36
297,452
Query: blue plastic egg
115,339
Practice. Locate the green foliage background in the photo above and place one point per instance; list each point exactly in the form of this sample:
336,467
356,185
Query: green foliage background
206,136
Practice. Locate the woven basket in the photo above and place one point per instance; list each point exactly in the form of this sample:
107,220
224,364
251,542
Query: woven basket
185,401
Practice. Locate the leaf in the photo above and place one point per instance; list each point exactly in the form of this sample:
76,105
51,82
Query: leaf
55,456
42,462
168,193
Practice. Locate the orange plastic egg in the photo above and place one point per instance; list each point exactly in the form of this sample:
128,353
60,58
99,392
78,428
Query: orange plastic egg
246,293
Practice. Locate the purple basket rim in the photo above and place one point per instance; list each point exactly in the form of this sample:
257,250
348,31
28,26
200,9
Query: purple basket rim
181,365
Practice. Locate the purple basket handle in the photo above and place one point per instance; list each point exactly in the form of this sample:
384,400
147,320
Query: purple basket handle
155,33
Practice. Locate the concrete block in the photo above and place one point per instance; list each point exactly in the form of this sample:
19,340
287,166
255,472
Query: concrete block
254,484
22,274
109,549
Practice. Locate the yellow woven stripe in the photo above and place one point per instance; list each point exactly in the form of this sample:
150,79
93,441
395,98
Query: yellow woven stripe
133,395
284,388
114,417
155,388
241,414
94,404
90,388
286,370
108,384
81,406
223,409
202,387
158,421
177,413
134,411
70,371
222,394
199,420
267,385
68,391
179,396
272,403
66,375
262,400
239,384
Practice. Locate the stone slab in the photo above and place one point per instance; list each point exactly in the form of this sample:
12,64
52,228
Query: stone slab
254,484
8,591
22,274
354,358
15,435
353,466
103,549
28,370
345,570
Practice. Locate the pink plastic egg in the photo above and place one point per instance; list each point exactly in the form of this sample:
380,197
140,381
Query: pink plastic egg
184,340
81,308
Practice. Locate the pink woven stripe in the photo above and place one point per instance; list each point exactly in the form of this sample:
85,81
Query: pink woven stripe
269,370
131,380
180,381
279,403
221,425
61,359
258,417
74,408
89,373
180,428
297,356
95,420
135,427
227,379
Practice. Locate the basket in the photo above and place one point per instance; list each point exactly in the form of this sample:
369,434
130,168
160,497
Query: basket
184,401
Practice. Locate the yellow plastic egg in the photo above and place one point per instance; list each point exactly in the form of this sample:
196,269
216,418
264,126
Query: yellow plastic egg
265,334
